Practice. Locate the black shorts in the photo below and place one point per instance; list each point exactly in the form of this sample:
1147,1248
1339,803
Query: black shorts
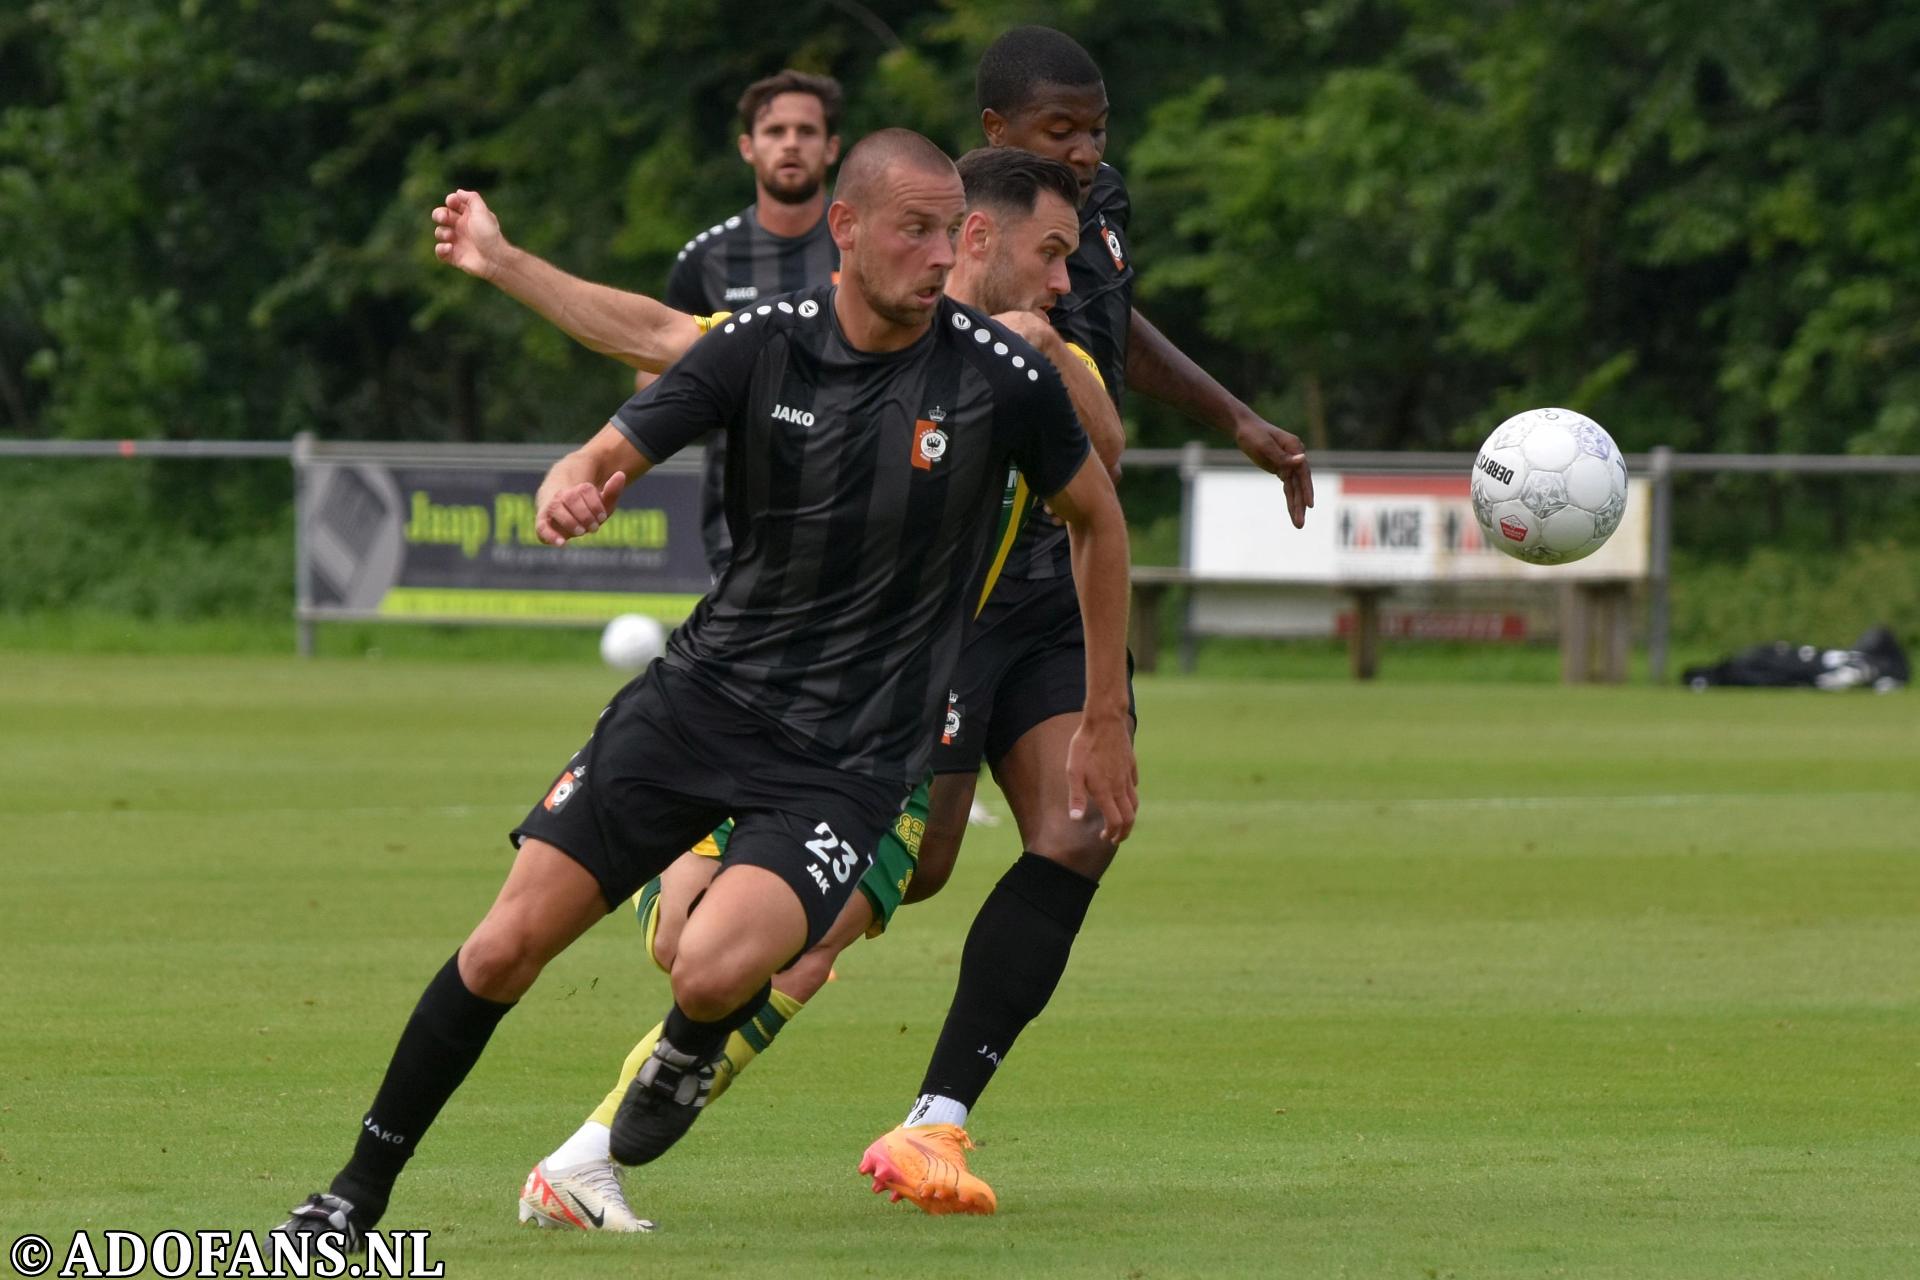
1025,661
670,760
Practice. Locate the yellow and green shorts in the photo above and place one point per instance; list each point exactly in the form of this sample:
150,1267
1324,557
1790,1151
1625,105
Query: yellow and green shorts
885,882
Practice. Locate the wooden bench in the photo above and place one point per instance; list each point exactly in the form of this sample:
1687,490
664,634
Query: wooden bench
1596,622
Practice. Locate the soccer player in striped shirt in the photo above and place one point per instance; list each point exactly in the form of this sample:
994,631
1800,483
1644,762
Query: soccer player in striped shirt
790,138
798,698
1011,260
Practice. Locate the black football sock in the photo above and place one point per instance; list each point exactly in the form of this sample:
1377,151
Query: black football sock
705,1040
441,1042
1015,954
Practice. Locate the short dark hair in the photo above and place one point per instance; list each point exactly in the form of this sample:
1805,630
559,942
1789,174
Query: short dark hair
1015,66
1009,180
761,92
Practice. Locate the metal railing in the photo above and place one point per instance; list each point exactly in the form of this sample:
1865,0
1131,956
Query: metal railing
1659,465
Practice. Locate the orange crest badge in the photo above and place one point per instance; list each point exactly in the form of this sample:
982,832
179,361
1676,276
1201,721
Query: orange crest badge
563,789
929,441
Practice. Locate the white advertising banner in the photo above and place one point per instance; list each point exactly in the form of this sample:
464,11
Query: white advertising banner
1368,529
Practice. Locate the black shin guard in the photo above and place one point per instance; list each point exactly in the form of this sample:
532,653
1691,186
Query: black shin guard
441,1042
1015,954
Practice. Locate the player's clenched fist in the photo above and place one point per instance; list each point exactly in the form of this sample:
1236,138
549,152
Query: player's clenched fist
578,509
467,235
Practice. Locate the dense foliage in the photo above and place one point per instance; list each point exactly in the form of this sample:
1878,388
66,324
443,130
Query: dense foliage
1388,222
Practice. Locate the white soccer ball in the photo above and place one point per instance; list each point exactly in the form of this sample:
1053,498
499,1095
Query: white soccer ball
631,641
1549,486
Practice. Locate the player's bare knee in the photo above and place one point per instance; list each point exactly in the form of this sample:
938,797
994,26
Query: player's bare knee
499,962
1077,846
710,991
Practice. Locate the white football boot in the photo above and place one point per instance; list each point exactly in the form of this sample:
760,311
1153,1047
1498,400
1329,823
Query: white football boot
585,1196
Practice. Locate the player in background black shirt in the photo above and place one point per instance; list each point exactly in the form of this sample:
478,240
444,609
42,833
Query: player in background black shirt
800,688
790,138
1039,91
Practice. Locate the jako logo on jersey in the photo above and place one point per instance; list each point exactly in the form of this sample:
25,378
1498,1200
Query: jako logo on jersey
563,789
1112,239
743,293
799,417
929,441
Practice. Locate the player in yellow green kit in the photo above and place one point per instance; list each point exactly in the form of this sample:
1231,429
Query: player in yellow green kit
1020,228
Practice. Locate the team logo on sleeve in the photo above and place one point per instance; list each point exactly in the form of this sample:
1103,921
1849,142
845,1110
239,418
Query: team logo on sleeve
950,728
563,790
929,441
1111,239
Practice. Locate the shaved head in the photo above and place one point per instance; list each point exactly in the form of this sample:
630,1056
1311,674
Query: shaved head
880,159
895,215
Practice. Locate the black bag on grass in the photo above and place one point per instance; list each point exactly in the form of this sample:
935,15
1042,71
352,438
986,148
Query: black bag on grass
1876,662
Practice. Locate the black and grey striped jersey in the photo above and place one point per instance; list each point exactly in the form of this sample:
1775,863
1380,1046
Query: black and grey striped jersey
863,492
731,265
1097,315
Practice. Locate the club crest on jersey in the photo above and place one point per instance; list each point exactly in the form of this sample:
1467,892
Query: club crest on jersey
798,417
563,789
929,441
1111,238
950,729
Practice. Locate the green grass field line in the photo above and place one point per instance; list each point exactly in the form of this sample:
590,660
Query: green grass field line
1412,980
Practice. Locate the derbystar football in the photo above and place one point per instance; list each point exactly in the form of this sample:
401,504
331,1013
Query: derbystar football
1549,486
631,641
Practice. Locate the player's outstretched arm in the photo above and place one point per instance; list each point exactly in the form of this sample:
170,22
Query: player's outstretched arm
1084,385
581,490
630,327
1100,764
1157,368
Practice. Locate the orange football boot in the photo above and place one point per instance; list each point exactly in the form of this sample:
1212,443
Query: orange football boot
927,1164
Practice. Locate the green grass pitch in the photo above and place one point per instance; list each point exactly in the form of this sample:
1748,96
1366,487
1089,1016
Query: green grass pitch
1406,981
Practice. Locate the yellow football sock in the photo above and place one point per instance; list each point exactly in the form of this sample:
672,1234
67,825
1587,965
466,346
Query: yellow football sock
742,1047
